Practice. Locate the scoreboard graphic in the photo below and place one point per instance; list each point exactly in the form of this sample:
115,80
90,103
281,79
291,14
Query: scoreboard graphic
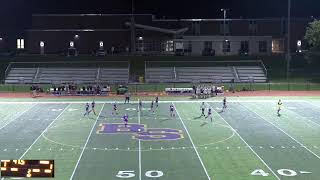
27,168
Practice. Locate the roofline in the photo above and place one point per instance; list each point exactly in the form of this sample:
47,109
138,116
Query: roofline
59,15
74,30
237,19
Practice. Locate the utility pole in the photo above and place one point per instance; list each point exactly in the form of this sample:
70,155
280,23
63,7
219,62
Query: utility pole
288,40
133,30
224,22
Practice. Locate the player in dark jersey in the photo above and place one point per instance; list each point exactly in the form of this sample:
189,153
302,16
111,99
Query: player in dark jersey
115,109
209,114
125,120
140,105
87,109
172,114
202,108
127,98
152,106
224,102
93,104
157,101
279,107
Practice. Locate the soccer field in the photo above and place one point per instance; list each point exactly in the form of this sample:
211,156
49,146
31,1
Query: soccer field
248,141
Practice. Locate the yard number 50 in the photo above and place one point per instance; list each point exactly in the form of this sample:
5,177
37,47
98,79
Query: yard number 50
131,174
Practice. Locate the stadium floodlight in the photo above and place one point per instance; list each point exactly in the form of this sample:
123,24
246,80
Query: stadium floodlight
41,44
101,44
299,43
71,44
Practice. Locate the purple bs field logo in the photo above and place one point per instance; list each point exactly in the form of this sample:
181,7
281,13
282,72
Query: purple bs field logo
140,131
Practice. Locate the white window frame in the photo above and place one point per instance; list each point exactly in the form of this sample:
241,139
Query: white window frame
20,43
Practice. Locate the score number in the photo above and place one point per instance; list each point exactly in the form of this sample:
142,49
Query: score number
131,174
27,168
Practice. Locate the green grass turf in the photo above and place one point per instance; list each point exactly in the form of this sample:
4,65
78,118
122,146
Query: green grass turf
248,136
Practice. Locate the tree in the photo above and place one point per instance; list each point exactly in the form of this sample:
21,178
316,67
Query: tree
313,36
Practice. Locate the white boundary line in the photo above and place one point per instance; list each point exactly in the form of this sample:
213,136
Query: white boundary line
44,131
139,118
246,144
7,123
120,102
85,145
195,149
283,132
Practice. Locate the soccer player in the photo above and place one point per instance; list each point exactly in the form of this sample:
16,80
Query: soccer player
125,120
87,109
157,101
202,108
224,102
279,107
115,109
140,105
152,106
127,97
209,114
172,114
93,104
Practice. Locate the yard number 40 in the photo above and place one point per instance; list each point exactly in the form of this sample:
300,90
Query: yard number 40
282,172
131,174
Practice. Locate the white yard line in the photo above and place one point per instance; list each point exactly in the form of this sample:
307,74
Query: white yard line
164,101
247,144
139,119
17,117
44,131
195,149
283,132
85,145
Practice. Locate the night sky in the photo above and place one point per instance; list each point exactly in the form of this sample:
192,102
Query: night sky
17,13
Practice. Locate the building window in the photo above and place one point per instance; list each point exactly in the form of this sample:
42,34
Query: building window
226,46
262,46
244,46
20,43
169,46
208,44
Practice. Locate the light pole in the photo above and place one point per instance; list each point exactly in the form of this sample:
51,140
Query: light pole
224,21
133,32
288,40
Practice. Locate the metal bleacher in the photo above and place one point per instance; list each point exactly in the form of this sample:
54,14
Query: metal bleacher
20,75
160,74
206,72
115,75
56,73
66,75
251,73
